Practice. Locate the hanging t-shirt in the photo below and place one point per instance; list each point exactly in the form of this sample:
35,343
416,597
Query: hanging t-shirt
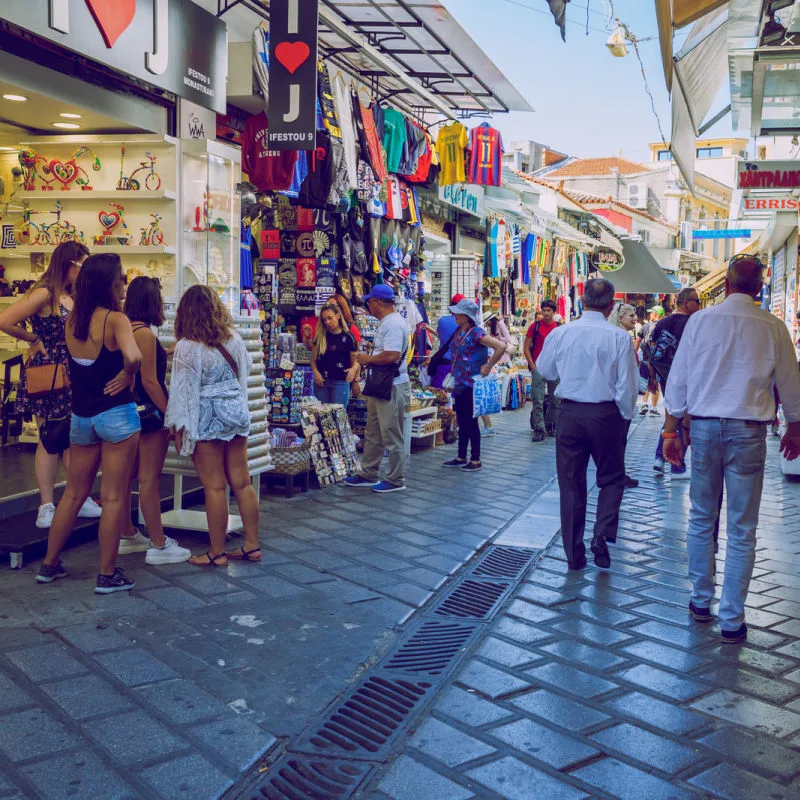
450,144
269,170
528,255
344,112
298,175
394,201
395,140
486,156
373,143
424,161
317,185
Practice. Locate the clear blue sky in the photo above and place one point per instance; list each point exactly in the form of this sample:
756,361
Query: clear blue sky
587,103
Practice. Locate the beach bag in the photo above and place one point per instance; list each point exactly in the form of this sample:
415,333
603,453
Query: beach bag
486,396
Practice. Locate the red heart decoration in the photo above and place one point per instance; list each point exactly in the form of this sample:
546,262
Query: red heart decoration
292,55
109,220
64,171
112,17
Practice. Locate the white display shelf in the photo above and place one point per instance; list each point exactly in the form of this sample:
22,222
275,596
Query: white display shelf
135,250
96,194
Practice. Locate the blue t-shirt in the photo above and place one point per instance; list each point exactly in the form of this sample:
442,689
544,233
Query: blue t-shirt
469,355
445,328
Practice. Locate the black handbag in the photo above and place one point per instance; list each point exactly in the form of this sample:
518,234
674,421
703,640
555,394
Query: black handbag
54,433
439,356
150,418
380,378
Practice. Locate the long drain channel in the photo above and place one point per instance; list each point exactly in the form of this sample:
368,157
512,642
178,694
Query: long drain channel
337,754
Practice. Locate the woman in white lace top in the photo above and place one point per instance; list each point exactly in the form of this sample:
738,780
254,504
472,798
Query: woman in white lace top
208,412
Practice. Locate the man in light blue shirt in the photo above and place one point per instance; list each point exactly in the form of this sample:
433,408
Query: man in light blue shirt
595,366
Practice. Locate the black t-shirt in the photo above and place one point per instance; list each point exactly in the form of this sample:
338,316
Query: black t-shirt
674,323
335,361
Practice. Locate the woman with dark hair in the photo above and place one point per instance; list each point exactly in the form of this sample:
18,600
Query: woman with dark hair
144,307
45,307
104,430
208,412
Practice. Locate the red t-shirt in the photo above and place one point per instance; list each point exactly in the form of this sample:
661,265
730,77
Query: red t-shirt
269,170
544,331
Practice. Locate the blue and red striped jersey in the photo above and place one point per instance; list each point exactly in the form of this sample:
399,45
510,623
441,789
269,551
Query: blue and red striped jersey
486,156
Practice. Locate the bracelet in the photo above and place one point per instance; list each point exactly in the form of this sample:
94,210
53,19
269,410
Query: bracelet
666,435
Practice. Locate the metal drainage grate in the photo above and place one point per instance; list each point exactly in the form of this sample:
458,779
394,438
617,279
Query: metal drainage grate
431,649
362,725
472,599
504,562
298,778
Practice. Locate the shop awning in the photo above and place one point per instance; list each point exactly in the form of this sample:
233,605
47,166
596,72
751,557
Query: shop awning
667,258
709,282
640,274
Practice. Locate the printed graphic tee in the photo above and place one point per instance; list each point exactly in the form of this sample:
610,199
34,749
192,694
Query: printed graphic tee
269,170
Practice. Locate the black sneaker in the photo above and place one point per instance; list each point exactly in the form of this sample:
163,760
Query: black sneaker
455,462
537,436
734,637
108,584
630,483
550,430
700,614
473,466
51,572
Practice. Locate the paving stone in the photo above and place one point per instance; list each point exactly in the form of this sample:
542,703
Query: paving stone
598,634
754,751
650,749
686,637
628,783
585,654
410,780
187,778
490,681
300,573
441,563
468,708
530,612
134,737
541,595
749,713
408,593
514,780
45,662
566,713
748,656
272,586
598,613
678,660
32,734
572,680
603,594
657,713
12,695
508,655
172,598
135,667
447,744
19,636
733,783
426,577
87,696
236,739
556,749
519,631
181,701
742,680
94,638
677,687
77,775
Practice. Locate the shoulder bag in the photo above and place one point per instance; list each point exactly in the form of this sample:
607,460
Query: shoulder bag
54,433
380,378
151,418
438,357
43,379
229,358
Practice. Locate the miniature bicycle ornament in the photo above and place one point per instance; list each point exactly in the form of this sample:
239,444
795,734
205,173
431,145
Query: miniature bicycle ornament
152,236
152,180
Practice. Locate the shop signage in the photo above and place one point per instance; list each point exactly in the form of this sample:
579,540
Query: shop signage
722,233
767,203
197,122
172,44
465,197
607,260
293,74
769,175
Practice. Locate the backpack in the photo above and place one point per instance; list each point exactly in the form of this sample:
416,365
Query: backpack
662,353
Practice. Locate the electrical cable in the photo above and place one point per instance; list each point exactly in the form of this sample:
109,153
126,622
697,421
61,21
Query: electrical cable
548,14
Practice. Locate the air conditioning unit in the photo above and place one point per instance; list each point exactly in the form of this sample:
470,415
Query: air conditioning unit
637,195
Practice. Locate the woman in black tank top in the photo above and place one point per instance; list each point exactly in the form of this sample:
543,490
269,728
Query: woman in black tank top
104,431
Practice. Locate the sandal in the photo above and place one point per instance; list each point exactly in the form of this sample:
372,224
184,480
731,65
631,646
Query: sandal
211,561
246,555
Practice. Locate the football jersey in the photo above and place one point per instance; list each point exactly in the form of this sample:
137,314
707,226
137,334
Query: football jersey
450,144
486,156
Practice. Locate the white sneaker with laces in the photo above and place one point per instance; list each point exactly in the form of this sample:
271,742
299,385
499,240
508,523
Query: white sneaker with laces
681,476
90,509
488,432
133,544
658,465
170,553
44,519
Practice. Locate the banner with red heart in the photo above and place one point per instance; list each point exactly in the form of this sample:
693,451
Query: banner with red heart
292,55
63,171
112,17
109,220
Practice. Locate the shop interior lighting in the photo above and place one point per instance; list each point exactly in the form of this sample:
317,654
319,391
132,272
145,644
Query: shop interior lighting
68,125
15,98
67,115
8,149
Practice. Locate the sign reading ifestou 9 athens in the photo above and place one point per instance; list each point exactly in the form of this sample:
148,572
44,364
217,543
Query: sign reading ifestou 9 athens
293,74
172,44
769,175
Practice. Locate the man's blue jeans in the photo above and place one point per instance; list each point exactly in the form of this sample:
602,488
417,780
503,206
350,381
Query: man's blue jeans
733,451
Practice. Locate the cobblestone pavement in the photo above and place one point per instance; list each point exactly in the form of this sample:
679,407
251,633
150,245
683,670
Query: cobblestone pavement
173,690
598,684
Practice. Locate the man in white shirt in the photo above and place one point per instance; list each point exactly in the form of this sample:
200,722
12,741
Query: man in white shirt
598,384
729,359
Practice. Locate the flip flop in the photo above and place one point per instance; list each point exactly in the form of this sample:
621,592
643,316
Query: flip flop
245,554
212,561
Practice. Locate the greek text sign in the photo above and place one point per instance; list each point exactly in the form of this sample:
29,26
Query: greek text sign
769,175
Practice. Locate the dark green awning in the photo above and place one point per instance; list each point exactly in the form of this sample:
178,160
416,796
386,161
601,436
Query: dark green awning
640,274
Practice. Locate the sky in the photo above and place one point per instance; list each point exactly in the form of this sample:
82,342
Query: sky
587,102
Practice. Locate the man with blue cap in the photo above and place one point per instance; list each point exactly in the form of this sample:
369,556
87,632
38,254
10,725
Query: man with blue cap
384,429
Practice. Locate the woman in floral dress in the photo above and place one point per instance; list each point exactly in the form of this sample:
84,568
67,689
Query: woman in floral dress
38,318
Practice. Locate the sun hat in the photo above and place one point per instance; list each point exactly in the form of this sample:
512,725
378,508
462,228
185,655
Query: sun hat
381,292
469,308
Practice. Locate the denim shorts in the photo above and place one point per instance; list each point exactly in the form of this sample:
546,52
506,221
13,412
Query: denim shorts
114,425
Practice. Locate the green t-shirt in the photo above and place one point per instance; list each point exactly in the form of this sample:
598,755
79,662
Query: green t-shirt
395,138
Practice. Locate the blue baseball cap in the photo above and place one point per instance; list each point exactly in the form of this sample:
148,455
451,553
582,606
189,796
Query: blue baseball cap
381,292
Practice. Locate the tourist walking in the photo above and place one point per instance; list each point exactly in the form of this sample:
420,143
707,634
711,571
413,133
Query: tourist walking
445,331
104,428
664,341
540,387
497,329
470,358
729,359
596,369
208,413
333,358
646,371
624,316
44,308
388,377
144,307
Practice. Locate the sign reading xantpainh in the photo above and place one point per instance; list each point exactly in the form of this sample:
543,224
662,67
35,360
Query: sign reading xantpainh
293,74
769,175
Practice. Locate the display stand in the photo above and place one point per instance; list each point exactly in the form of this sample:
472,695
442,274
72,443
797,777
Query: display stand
429,413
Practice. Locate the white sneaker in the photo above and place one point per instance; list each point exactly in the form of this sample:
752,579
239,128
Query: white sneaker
133,544
488,432
658,466
90,509
170,553
643,410
681,476
44,519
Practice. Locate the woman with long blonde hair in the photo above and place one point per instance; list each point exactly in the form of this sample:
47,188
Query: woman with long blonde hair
208,412
333,358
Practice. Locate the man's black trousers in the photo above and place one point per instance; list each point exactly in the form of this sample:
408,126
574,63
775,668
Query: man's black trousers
585,430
